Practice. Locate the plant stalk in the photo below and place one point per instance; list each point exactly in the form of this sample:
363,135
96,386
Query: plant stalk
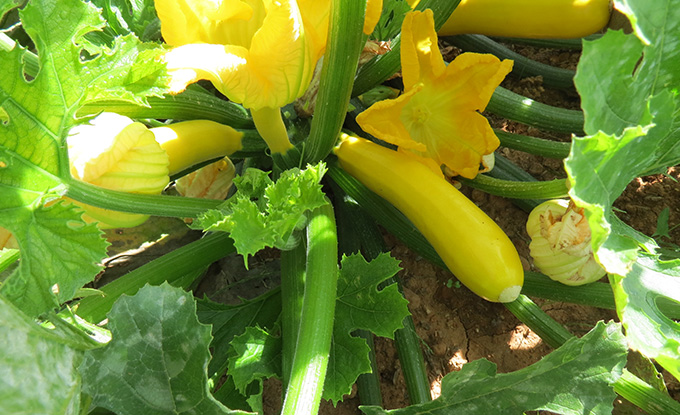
310,362
192,104
170,267
158,205
512,106
534,145
346,40
512,189
292,295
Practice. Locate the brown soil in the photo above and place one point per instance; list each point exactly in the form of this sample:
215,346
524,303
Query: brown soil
455,325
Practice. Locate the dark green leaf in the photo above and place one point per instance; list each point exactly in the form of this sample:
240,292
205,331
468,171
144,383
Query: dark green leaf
157,361
575,379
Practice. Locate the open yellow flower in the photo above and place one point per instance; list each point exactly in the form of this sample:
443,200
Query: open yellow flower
438,116
260,53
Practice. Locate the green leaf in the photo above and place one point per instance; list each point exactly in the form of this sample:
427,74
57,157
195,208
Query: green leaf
157,360
229,321
264,213
131,16
59,254
632,116
56,246
38,371
361,305
256,355
579,375
392,16
647,328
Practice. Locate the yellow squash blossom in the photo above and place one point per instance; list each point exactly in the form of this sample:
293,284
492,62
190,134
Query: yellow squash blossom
437,118
260,53
114,152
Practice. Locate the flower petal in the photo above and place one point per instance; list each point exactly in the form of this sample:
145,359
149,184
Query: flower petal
420,55
275,70
199,21
382,121
373,12
478,75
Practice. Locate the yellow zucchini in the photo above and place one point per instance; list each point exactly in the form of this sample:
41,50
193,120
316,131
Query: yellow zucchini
470,243
537,19
191,142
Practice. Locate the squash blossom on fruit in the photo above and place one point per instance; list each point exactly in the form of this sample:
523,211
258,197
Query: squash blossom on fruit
560,243
261,54
116,153
438,119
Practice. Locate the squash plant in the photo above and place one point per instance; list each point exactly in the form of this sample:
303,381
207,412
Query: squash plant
144,344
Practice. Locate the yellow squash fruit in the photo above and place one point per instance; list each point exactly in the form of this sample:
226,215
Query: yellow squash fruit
189,143
537,19
469,242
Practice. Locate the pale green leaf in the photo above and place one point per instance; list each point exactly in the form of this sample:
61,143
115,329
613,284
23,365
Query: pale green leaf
264,213
629,87
647,328
38,371
59,254
157,361
575,379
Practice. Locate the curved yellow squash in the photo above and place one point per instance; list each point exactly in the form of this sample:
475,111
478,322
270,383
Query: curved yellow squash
471,244
536,19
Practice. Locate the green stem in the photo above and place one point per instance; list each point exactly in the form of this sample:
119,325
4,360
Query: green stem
380,68
170,267
158,205
191,104
516,107
522,67
368,384
551,189
506,170
292,294
310,362
410,355
534,145
8,257
346,40
549,330
645,396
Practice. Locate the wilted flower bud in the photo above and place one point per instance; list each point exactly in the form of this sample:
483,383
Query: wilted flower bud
116,153
560,243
